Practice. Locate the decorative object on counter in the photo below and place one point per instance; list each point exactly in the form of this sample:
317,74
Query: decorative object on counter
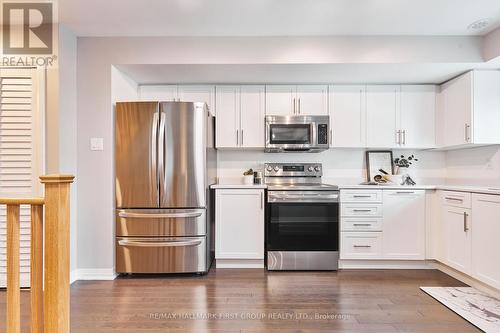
402,164
257,177
248,177
379,166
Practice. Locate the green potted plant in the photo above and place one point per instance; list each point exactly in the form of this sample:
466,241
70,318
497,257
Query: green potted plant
402,164
248,177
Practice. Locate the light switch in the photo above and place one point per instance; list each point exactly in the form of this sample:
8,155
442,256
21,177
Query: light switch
96,144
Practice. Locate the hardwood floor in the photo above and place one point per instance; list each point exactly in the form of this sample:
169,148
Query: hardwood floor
259,301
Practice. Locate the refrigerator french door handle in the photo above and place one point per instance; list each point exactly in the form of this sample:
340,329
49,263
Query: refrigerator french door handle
161,151
154,151
158,215
158,243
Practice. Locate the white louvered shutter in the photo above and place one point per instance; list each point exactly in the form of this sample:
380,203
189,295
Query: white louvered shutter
21,151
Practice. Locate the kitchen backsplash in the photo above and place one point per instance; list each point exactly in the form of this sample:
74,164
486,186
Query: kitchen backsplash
474,167
340,166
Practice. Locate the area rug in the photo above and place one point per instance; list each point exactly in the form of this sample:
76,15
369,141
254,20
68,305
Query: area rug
481,310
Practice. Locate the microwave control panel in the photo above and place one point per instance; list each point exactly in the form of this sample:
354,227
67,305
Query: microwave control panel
322,134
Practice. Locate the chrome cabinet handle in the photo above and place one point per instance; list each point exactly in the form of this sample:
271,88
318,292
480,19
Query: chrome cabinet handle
361,224
237,138
158,215
331,137
299,105
467,133
158,244
404,137
242,137
404,192
361,196
361,210
362,246
398,137
454,199
465,222
294,106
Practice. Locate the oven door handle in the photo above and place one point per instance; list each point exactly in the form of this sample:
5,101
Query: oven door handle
303,198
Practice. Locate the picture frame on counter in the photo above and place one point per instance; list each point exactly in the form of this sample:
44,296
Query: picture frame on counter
377,160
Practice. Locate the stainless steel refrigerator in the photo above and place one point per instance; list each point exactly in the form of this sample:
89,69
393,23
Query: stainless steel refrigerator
165,161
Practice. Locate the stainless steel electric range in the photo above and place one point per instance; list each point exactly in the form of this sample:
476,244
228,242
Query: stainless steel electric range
302,218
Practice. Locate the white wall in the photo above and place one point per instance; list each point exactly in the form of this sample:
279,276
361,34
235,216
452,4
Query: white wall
96,56
68,129
340,166
474,166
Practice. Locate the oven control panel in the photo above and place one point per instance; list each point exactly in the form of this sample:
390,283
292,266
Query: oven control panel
293,170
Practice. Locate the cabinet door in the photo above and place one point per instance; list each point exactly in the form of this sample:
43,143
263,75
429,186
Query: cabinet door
227,120
160,93
280,100
382,114
192,93
403,225
348,116
252,116
457,238
486,124
239,224
312,100
418,114
485,231
457,104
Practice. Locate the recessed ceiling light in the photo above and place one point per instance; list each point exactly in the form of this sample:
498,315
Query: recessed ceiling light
479,24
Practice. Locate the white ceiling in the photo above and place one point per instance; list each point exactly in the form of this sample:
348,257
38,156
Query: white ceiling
276,17
303,73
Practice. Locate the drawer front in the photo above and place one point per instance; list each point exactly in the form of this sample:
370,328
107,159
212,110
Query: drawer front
361,245
350,209
361,196
456,199
160,255
160,222
361,224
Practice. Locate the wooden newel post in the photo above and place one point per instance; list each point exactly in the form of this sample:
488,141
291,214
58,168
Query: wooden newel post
57,217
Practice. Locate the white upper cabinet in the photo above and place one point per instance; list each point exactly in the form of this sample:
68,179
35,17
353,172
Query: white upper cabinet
312,100
253,99
281,100
382,116
193,93
347,115
291,100
418,115
228,117
470,109
166,93
404,225
240,116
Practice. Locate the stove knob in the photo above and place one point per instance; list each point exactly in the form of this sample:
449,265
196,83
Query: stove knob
317,168
310,169
276,168
269,168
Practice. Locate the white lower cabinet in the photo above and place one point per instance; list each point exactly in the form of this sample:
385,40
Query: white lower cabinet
404,225
457,237
383,224
485,229
239,224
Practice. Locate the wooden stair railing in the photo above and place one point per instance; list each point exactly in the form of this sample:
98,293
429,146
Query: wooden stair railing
50,302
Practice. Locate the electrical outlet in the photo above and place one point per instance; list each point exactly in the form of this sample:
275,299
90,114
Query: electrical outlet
96,144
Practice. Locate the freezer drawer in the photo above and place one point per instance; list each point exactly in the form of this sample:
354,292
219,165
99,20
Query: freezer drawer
160,222
161,255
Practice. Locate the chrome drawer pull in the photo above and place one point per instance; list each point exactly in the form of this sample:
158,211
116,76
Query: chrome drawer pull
158,215
455,199
362,246
404,192
361,210
362,224
159,244
361,196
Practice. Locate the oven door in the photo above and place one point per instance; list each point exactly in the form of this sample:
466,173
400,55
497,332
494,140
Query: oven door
302,221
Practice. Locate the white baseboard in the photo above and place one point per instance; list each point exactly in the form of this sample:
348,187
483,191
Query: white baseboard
384,264
103,274
73,276
239,263
467,279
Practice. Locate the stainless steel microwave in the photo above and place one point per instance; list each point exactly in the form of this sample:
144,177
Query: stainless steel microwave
297,133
